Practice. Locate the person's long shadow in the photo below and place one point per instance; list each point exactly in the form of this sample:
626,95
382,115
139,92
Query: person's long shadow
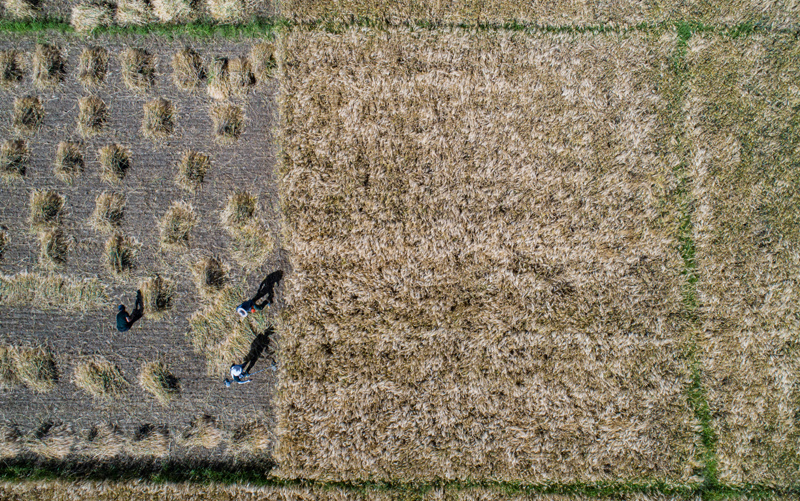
257,348
267,287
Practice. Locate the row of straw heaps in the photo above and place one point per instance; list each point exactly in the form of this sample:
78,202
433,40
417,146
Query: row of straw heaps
90,15
54,440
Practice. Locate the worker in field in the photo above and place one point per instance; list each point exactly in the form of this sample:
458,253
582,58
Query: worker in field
124,319
267,288
239,375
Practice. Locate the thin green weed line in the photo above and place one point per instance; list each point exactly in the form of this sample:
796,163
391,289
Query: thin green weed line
180,473
270,26
697,393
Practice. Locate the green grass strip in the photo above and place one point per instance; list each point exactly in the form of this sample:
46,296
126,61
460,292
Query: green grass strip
697,393
258,475
203,28
268,26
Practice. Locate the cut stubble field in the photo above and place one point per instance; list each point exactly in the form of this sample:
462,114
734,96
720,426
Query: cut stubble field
487,283
122,186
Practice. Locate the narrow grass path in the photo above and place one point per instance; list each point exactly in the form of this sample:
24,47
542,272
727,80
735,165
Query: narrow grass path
709,489
686,203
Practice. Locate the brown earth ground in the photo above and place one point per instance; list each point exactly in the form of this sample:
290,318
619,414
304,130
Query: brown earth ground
150,190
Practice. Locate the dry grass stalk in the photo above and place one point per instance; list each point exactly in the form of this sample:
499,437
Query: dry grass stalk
254,439
8,375
28,114
159,119
46,209
52,441
54,246
251,246
103,441
203,432
150,440
221,336
92,66
92,115
12,67
176,225
88,16
262,60
228,122
50,289
138,490
157,294
48,66
227,11
115,160
192,170
108,212
209,276
173,11
239,211
10,443
138,69
497,253
158,381
188,71
119,254
100,378
219,86
68,164
21,9
240,76
36,368
134,13
14,159
743,149
3,242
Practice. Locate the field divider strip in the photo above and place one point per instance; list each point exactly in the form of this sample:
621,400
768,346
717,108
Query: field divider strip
261,27
181,473
696,392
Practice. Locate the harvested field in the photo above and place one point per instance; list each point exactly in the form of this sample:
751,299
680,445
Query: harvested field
481,294
104,268
744,128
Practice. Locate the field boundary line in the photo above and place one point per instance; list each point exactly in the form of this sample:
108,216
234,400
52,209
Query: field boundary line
261,27
159,473
697,392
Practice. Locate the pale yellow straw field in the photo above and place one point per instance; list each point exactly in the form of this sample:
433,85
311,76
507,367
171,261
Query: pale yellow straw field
486,282
775,14
140,491
744,128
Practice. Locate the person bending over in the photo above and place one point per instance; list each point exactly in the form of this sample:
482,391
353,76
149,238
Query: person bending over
124,319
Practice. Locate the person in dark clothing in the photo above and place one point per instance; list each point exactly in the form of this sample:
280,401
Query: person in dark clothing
126,320
265,289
